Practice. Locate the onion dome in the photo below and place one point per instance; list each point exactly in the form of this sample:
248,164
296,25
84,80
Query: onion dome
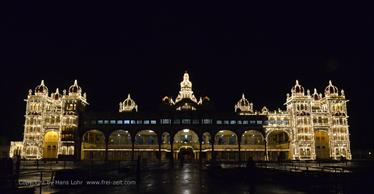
75,88
297,89
243,105
315,95
264,110
128,105
331,89
56,95
41,89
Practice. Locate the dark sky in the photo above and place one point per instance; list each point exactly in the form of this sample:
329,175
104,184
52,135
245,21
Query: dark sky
227,49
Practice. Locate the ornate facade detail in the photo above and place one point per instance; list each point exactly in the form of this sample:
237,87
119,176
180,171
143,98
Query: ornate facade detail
50,122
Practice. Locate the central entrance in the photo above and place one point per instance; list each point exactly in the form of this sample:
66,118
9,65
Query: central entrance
186,153
185,142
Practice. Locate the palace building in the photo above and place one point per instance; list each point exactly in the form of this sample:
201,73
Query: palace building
311,126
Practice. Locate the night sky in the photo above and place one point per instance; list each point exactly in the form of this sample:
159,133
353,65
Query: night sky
144,50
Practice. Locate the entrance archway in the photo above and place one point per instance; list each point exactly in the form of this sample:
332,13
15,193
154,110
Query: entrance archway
186,153
252,145
93,145
321,138
50,144
146,145
278,145
185,138
226,145
119,145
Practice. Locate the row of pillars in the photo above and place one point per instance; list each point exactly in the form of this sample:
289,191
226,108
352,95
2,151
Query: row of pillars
171,148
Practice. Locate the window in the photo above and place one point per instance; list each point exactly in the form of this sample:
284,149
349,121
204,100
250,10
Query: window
112,121
207,121
177,121
245,122
132,122
259,122
232,122
252,122
219,122
195,121
126,122
239,122
139,122
106,121
165,121
146,122
186,121
226,122
153,122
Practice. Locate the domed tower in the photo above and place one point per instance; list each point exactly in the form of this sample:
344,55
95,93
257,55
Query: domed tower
37,105
299,107
336,107
186,99
73,103
243,107
128,105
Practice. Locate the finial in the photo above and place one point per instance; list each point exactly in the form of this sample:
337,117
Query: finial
297,82
308,92
128,96
75,82
42,83
64,92
330,82
342,93
315,91
243,95
30,92
57,91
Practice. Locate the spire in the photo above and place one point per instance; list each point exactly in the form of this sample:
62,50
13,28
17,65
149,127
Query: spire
42,83
57,91
75,82
243,97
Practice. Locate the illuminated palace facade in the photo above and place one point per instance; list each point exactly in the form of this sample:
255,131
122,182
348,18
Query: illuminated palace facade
312,126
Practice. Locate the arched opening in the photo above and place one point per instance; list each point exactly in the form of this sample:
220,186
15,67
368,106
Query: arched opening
252,145
321,138
146,145
206,146
186,153
50,144
165,146
278,145
119,145
186,138
226,145
93,145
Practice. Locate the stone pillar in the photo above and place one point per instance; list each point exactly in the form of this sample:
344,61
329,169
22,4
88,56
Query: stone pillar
266,151
159,147
239,158
132,148
201,153
106,148
213,153
171,151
